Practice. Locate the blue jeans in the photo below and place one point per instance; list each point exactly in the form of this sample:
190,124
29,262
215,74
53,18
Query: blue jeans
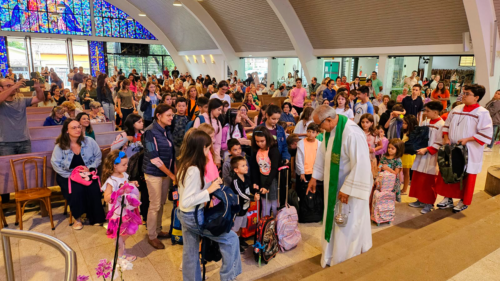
495,128
109,111
11,148
228,243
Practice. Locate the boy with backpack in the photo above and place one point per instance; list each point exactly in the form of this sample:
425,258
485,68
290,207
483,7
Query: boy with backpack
468,124
242,186
179,124
425,168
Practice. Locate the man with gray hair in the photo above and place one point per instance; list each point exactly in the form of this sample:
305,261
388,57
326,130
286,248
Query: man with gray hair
343,164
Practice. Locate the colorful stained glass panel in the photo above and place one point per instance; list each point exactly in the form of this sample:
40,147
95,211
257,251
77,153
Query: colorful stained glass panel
97,61
4,63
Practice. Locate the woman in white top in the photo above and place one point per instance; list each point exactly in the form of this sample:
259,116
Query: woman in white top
289,80
341,105
305,120
195,192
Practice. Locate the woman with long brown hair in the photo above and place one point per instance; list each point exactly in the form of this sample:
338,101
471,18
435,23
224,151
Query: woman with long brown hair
87,93
73,149
441,94
194,192
125,100
192,98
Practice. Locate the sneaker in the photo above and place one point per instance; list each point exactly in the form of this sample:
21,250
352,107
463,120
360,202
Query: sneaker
77,225
416,204
460,207
428,208
487,149
445,204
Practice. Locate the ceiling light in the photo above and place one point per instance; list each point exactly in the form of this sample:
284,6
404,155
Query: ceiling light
249,55
129,19
142,14
177,3
61,5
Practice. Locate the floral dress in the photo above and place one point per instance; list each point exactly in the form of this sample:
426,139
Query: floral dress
393,164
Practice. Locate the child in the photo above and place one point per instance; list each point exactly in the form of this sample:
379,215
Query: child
342,106
179,123
314,102
376,117
394,123
366,123
305,120
234,148
306,155
364,105
273,114
493,107
232,130
116,186
391,162
211,117
211,170
469,124
425,167
409,124
259,119
381,141
264,164
241,185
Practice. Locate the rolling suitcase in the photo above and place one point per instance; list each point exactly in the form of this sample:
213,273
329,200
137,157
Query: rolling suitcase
384,200
287,221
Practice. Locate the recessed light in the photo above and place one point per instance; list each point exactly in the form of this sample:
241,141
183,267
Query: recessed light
129,19
249,55
177,3
142,14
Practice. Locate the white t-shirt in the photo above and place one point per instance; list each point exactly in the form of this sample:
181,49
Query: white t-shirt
115,182
301,129
226,98
348,113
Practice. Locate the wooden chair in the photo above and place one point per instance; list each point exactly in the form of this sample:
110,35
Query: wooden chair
2,216
28,194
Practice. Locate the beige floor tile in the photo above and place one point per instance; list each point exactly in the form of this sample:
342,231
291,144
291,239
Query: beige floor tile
167,262
91,236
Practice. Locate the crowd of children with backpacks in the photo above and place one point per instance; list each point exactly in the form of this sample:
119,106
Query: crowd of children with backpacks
249,193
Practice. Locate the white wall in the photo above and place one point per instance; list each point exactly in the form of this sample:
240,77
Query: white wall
217,69
367,65
409,65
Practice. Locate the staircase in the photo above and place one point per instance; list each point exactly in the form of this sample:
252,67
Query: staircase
435,246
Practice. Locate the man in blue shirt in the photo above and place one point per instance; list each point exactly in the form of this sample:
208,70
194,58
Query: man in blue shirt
364,105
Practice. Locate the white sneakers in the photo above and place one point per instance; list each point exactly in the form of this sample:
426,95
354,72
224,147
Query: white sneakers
460,207
445,203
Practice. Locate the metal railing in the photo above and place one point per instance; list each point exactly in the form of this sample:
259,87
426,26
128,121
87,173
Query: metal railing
65,250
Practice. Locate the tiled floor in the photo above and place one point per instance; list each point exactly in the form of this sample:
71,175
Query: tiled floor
36,261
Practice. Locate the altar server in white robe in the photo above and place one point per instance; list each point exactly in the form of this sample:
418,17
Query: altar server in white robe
344,166
425,167
469,124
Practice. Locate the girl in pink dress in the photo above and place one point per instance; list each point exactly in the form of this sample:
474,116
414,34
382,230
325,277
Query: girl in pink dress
366,123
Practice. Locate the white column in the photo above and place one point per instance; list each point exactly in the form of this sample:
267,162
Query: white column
270,69
382,73
297,34
481,18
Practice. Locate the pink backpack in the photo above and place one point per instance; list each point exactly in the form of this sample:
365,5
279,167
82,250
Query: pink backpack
78,175
287,221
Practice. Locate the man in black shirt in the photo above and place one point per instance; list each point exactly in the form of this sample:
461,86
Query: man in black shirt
413,104
175,73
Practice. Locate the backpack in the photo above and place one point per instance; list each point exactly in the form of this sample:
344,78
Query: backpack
175,227
134,169
190,124
417,139
220,218
210,251
287,221
452,162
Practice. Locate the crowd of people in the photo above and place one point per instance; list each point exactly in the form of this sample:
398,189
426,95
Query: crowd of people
181,138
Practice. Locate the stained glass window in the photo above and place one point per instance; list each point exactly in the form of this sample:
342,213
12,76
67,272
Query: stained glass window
4,64
70,17
97,62
112,22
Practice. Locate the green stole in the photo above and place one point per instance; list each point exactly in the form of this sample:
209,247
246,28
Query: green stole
334,173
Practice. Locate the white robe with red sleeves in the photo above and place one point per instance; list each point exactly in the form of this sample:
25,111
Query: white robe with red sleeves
427,163
476,123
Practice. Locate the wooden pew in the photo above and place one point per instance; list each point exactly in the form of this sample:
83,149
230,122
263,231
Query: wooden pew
38,109
6,180
42,115
36,122
54,131
267,99
236,104
47,144
252,113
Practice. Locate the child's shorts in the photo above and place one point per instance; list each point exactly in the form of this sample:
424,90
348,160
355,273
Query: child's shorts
239,222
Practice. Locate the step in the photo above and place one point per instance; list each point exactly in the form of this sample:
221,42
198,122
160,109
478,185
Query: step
312,265
403,246
444,258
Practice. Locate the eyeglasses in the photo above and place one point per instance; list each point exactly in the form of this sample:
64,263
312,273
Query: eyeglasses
468,94
75,127
322,121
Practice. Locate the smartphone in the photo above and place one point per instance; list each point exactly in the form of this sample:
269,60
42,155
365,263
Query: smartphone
30,83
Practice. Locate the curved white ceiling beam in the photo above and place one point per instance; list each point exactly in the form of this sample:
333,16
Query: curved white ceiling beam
133,11
300,41
195,8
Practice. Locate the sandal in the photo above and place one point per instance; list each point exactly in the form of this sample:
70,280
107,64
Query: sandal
129,258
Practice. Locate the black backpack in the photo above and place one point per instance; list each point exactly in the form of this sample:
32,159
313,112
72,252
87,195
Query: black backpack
417,139
210,251
452,162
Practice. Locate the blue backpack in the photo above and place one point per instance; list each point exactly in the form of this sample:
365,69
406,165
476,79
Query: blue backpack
220,218
190,124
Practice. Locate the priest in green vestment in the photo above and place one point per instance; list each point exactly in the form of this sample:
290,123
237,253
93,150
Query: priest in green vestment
343,164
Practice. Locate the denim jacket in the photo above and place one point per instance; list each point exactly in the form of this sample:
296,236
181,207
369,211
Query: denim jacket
281,139
61,159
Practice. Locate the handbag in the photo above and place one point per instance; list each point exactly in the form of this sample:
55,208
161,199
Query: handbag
79,175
